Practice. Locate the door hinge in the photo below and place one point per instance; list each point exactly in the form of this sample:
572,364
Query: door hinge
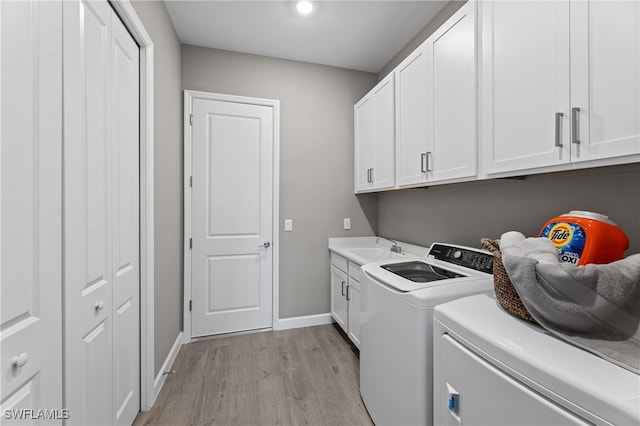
190,243
191,119
190,305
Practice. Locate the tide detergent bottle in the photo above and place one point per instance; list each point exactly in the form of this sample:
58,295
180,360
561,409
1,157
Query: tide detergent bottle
583,237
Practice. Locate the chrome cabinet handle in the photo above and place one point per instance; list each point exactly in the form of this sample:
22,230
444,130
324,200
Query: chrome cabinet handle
371,175
343,288
348,298
423,157
19,361
575,129
559,116
429,162
266,244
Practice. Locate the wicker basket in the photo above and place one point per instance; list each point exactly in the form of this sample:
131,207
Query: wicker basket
505,292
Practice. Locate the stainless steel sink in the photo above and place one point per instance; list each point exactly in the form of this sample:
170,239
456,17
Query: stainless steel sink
420,272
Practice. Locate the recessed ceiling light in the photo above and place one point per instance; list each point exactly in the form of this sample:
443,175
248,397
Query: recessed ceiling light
304,7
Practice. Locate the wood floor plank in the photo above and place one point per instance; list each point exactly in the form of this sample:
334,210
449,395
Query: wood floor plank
273,404
306,376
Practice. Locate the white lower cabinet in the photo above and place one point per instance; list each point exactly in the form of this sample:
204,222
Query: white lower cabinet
353,314
338,296
345,296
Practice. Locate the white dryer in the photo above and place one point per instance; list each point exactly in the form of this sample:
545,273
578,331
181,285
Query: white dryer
493,369
397,301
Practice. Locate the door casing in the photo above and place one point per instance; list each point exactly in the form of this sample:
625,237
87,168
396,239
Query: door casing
189,95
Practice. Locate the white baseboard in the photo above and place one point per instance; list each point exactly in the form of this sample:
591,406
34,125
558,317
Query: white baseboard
305,321
166,366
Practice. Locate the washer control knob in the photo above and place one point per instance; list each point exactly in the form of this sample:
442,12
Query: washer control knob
457,254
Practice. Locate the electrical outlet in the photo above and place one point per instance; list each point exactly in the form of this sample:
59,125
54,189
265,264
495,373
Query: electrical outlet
347,223
288,225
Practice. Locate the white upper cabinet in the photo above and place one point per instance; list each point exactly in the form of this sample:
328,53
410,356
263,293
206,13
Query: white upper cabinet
525,84
560,83
411,114
452,103
435,107
550,86
374,138
605,79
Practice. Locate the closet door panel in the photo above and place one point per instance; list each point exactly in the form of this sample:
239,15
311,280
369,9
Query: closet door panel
31,209
126,337
87,203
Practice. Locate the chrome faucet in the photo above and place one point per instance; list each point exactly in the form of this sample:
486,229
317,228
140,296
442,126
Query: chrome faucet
395,248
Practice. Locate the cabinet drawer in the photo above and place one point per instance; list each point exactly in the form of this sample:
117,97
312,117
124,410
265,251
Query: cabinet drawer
354,272
339,262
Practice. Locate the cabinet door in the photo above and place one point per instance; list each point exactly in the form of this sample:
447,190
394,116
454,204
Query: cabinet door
374,147
353,298
451,123
411,113
339,297
383,173
31,176
364,142
605,82
525,84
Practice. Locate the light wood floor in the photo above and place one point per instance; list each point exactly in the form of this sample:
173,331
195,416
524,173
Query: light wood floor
290,377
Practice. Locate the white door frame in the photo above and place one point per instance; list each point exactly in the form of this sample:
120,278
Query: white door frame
189,96
132,22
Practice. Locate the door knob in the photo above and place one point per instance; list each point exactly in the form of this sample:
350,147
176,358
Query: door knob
19,361
99,306
266,244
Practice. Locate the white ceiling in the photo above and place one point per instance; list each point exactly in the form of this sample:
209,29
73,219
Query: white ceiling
353,34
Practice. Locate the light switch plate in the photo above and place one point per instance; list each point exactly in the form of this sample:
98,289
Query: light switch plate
288,225
347,223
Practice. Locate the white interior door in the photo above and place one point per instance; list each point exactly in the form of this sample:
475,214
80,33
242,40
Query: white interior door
126,225
88,205
101,220
232,216
31,210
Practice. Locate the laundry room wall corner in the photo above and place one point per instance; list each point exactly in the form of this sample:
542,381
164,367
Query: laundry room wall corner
167,178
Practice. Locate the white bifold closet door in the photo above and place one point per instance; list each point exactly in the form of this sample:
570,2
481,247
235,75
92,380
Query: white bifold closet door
31,209
101,219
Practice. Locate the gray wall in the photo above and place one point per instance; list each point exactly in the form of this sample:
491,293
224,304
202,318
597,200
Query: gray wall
316,158
168,176
464,213
444,14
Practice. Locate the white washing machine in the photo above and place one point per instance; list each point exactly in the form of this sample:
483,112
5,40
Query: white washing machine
397,301
493,369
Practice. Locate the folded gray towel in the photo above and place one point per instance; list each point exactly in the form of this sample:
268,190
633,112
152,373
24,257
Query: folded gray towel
595,307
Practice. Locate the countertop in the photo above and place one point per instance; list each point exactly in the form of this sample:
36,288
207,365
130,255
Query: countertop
363,250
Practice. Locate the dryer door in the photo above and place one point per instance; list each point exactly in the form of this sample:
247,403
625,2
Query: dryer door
470,390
